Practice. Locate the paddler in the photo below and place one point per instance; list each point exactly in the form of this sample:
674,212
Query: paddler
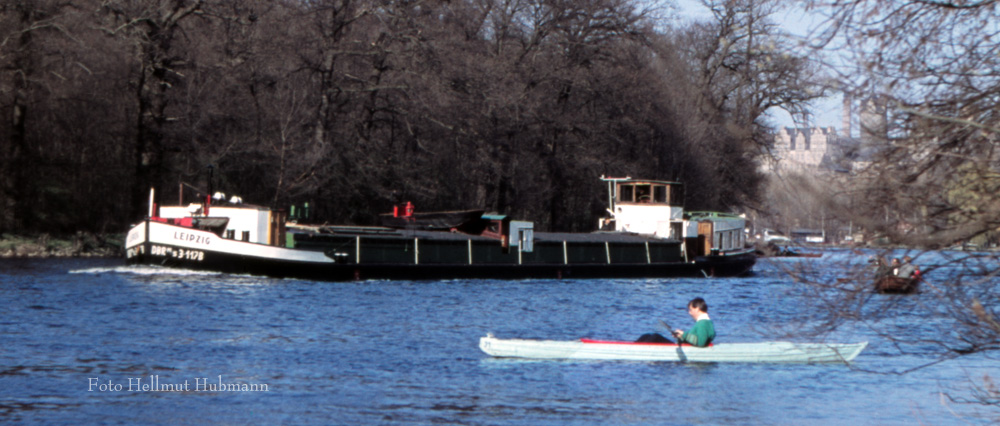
908,269
701,334
703,331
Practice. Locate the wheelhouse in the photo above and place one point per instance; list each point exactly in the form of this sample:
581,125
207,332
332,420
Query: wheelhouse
650,207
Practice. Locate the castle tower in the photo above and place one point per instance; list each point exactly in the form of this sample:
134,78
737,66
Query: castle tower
873,119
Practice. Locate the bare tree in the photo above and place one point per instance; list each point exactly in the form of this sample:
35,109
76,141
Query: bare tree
241,108
24,26
744,65
150,28
930,71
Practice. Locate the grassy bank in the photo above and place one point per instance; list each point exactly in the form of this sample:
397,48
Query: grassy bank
44,245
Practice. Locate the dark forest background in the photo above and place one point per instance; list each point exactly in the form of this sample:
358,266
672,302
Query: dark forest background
515,106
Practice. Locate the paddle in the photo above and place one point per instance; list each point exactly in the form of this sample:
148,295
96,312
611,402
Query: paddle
667,326
670,330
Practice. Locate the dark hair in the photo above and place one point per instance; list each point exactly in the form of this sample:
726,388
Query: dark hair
699,304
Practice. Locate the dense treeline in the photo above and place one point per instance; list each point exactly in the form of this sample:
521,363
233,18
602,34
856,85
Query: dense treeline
516,106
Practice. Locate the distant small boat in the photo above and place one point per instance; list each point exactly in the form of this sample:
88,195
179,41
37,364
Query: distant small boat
632,351
773,250
798,254
896,285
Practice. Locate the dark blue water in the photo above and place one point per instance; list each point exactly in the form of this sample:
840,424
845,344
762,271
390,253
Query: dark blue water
406,352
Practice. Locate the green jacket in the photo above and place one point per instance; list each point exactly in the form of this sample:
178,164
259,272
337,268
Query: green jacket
701,334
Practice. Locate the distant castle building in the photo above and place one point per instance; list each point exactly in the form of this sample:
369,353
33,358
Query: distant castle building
813,150
802,149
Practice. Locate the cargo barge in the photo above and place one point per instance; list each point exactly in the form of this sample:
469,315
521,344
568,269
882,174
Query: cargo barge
647,234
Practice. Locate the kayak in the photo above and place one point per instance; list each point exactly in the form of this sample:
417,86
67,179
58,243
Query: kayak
635,351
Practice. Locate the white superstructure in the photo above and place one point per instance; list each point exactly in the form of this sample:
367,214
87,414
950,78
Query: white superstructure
656,208
647,207
246,222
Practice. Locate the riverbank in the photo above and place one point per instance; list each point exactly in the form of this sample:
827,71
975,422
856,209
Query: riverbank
81,244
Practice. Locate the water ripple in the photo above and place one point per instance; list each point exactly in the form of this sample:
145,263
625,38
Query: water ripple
378,352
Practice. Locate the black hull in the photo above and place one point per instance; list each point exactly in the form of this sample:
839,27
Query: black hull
279,268
896,285
427,256
727,266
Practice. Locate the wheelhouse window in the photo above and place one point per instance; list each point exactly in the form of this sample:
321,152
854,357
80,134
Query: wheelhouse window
626,194
644,193
676,195
660,194
657,193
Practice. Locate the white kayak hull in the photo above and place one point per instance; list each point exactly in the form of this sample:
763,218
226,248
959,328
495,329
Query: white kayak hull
786,352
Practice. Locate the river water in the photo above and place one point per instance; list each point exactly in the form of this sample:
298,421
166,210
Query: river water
81,339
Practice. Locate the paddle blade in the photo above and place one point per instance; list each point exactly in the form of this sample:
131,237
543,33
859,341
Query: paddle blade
666,326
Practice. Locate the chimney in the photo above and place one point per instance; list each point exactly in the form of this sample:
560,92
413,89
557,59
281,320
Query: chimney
845,116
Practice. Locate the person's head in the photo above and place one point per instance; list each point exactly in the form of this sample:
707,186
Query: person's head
697,306
895,261
907,259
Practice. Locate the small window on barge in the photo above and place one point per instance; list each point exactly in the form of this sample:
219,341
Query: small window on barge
643,193
676,195
660,194
626,193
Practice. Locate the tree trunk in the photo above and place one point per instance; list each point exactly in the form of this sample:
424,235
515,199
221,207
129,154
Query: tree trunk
20,161
156,77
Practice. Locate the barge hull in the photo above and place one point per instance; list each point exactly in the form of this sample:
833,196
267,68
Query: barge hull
154,243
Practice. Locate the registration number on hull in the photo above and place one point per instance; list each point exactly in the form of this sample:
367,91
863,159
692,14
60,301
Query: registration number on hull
178,253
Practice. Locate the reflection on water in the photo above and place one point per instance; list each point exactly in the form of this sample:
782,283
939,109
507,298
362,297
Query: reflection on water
407,352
